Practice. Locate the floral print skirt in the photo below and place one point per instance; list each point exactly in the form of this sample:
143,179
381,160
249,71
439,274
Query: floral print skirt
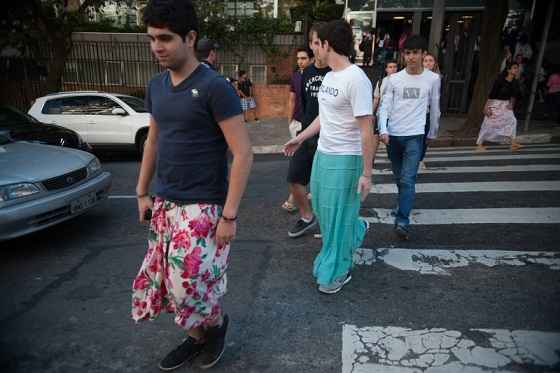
501,126
184,270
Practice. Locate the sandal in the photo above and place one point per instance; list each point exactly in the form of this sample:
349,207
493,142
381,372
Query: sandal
288,206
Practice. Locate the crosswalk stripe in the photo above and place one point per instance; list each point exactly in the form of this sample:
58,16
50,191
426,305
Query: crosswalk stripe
479,169
490,151
394,349
492,186
382,147
544,215
480,158
439,261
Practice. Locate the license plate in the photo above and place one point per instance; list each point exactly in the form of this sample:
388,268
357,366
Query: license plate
83,202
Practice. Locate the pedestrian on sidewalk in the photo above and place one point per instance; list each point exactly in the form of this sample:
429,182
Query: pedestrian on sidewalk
553,94
341,175
304,57
429,62
299,171
499,124
391,67
402,121
248,103
195,116
206,53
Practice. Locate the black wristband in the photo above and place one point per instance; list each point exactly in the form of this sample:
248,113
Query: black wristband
229,219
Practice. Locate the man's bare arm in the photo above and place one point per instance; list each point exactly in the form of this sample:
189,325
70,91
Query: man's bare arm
147,168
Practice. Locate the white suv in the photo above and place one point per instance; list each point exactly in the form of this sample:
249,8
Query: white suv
102,119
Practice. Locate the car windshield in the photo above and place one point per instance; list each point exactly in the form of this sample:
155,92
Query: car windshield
135,103
10,116
4,138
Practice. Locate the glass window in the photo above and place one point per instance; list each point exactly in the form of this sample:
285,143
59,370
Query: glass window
99,105
80,105
135,103
257,74
229,70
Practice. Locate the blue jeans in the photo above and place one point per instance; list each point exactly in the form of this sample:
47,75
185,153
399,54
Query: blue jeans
405,153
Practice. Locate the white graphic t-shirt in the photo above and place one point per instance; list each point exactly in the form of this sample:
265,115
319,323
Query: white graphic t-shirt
343,96
406,101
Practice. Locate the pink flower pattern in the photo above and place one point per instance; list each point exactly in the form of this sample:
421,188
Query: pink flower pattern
184,270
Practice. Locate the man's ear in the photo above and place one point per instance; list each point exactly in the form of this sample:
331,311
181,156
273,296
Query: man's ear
191,38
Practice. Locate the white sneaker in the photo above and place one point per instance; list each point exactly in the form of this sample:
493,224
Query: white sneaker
336,285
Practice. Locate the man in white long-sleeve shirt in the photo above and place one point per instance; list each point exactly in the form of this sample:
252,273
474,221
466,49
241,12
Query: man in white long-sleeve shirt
402,118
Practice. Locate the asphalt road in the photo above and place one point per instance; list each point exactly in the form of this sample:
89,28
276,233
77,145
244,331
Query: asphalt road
66,290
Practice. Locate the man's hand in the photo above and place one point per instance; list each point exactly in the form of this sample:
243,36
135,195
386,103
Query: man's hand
384,138
144,203
291,146
364,186
225,231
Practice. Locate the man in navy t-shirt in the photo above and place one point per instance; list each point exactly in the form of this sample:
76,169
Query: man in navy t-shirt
195,117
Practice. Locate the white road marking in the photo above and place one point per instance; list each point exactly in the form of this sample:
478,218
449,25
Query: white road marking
479,169
543,215
402,350
483,186
481,158
472,152
490,147
268,149
438,261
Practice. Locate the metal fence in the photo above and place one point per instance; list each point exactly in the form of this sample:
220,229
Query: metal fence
119,63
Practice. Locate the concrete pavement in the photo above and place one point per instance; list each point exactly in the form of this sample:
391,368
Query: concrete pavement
268,135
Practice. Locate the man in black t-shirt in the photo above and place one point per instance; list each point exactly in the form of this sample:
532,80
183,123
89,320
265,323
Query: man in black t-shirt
195,116
248,103
299,172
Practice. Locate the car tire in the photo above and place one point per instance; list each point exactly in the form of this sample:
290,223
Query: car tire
141,142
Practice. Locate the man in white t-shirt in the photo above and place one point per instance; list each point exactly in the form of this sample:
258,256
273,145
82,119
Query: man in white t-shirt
402,119
341,173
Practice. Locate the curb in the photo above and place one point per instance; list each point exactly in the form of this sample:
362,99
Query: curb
538,138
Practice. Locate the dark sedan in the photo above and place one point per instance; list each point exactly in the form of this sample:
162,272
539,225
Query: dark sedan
23,127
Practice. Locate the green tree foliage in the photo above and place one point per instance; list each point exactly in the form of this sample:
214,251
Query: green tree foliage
33,25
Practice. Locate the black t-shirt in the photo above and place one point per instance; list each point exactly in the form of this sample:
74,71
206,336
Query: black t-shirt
191,155
311,81
504,89
245,87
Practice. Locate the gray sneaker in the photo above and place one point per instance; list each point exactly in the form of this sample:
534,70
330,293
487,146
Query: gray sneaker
301,227
336,285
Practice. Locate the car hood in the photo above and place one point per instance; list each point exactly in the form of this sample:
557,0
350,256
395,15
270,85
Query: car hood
27,162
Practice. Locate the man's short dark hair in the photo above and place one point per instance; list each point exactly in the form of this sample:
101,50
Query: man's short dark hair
416,42
241,73
178,16
205,46
339,35
390,61
315,27
306,50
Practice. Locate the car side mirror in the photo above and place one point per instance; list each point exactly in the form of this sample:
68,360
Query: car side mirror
119,111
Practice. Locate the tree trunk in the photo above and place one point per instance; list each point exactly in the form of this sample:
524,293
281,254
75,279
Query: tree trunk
61,47
491,54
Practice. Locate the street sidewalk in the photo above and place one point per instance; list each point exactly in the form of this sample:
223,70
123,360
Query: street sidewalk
268,135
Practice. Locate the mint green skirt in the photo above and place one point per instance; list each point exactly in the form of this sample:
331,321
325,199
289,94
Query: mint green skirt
336,202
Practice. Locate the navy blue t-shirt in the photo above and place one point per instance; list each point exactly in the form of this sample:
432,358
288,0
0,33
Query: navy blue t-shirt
192,150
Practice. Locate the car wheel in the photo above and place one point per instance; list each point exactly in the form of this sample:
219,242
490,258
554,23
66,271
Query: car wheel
141,142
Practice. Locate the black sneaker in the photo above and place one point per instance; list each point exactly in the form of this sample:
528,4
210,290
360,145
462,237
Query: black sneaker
401,231
186,351
301,227
215,345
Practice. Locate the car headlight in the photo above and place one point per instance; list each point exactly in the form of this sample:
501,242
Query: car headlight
93,167
14,191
